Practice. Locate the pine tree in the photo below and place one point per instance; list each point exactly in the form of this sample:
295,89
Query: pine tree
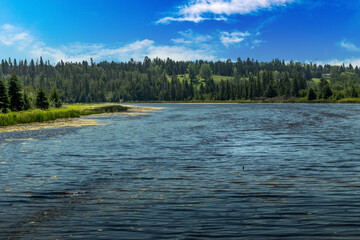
228,91
354,93
286,85
27,104
41,100
191,90
323,82
4,99
270,91
308,75
222,91
55,99
311,95
295,87
327,92
16,97
192,71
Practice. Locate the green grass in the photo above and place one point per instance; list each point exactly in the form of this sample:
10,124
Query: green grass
317,80
217,78
68,111
349,100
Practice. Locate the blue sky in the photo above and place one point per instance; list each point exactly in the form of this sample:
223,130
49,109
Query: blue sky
319,31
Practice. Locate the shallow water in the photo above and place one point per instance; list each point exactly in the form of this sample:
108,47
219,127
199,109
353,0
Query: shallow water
187,171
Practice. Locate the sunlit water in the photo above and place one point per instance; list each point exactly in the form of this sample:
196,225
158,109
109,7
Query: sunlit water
187,171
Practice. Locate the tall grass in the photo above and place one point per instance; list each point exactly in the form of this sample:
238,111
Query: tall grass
69,111
349,100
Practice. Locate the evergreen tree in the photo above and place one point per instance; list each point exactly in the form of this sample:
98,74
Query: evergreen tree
228,91
149,80
323,83
222,90
308,75
295,87
252,87
286,85
55,99
270,91
311,95
16,97
191,91
4,99
41,100
354,93
27,104
205,71
327,92
192,71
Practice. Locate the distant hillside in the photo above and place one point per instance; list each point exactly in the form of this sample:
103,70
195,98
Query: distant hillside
168,80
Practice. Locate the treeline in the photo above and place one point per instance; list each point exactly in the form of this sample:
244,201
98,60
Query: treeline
168,80
13,98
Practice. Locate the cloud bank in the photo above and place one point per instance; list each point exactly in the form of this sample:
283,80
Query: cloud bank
27,46
338,62
201,10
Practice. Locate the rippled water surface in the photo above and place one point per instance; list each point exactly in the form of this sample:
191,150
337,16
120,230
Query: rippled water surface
187,171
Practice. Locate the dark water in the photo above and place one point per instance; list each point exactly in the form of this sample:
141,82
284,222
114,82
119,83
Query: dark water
188,171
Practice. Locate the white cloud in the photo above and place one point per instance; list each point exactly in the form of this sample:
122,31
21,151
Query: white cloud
77,48
181,41
349,46
256,43
14,36
232,38
15,39
338,62
195,19
201,10
189,37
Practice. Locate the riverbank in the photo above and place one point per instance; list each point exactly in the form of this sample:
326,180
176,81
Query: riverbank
261,101
68,111
131,111
78,110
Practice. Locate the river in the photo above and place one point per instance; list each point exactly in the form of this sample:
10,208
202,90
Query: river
247,171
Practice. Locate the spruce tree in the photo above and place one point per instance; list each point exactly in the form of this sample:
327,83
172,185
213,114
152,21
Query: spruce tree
228,91
222,90
16,97
192,71
327,92
287,85
311,95
354,93
41,100
295,87
55,99
270,91
27,104
4,99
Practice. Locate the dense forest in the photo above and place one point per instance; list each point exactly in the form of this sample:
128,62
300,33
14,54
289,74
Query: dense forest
168,80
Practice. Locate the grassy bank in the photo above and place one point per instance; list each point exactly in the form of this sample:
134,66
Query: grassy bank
68,111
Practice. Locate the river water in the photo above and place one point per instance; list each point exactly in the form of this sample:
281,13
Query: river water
187,171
